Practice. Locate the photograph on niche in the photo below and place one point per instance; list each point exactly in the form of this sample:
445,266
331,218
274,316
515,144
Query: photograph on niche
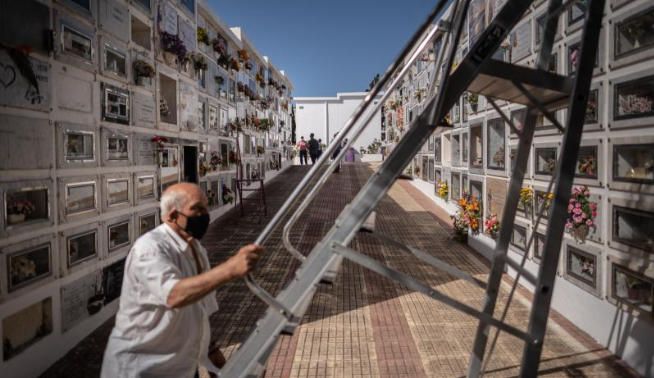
118,235
78,146
80,197
81,247
117,148
28,266
26,327
118,191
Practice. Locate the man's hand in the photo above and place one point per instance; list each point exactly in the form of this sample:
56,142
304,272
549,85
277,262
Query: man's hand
244,260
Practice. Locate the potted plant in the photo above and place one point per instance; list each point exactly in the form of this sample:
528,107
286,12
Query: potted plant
228,196
18,210
233,64
581,214
143,71
219,80
199,62
460,227
473,101
443,189
173,45
243,55
203,37
214,161
248,65
219,46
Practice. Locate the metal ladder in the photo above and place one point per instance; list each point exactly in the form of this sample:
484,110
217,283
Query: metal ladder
537,88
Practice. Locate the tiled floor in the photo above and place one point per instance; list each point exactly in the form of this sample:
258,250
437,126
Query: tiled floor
365,325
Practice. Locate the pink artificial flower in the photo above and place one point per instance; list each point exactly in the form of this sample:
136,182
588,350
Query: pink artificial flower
570,207
589,222
578,205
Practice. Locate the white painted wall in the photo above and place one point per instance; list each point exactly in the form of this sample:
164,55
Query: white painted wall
324,116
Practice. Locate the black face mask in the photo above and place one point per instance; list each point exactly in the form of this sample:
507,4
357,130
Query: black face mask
197,226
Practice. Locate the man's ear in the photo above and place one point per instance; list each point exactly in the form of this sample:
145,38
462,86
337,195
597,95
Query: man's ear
172,215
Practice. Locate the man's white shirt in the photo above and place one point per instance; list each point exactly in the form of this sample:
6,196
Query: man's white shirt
150,339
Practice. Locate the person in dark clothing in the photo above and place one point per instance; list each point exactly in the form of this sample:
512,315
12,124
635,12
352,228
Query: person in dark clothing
319,148
314,147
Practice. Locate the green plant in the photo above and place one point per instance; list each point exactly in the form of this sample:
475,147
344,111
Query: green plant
203,37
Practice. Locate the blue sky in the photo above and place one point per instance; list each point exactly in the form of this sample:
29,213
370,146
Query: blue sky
326,46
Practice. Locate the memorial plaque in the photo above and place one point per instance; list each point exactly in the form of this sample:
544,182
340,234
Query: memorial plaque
145,187
496,144
521,42
145,153
144,109
26,327
74,93
16,90
82,247
168,18
25,143
634,99
495,196
476,19
118,235
633,227
632,288
519,237
188,104
112,280
81,299
28,266
187,34
581,266
114,18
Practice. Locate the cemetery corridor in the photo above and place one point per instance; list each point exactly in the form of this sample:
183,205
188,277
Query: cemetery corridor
364,325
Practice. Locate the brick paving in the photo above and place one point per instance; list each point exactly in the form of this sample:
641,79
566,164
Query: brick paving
365,325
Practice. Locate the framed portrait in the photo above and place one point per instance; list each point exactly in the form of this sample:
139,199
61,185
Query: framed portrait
117,191
80,197
117,147
118,235
81,247
28,266
79,146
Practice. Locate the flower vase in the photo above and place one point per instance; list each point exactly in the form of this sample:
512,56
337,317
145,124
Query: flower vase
580,233
16,218
170,58
461,237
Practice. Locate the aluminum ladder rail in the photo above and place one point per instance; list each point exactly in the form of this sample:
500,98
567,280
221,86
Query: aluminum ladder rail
258,346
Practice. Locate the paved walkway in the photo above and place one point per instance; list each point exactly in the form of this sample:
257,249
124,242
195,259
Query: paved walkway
365,325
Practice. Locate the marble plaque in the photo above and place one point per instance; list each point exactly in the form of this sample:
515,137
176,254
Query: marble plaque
168,18
521,42
74,93
25,143
81,299
187,34
26,327
144,109
144,150
114,18
495,196
16,90
188,104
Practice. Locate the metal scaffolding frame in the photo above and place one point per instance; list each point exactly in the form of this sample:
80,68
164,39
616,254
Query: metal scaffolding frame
540,90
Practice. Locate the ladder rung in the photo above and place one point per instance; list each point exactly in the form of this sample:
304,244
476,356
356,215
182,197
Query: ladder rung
416,285
496,79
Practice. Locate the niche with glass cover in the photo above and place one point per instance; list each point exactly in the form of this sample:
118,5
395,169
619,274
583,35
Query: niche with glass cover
633,227
632,288
26,205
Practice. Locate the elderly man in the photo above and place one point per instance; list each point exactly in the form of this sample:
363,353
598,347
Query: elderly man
162,324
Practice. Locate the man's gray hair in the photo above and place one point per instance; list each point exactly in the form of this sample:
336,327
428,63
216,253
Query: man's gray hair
172,199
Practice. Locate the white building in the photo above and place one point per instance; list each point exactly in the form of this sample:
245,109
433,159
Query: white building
324,116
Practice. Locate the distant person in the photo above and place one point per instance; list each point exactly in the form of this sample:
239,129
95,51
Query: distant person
314,147
336,152
382,149
303,148
319,148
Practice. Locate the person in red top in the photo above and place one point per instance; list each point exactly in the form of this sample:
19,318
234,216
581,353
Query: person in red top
303,147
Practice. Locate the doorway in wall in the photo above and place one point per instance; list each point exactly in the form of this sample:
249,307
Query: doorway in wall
190,173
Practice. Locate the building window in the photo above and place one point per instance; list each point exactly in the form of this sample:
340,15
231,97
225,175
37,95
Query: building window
634,34
118,235
28,266
115,104
76,43
545,160
496,144
145,187
26,205
633,163
81,247
581,266
117,192
80,197
147,222
587,162
634,99
632,288
79,146
115,61
633,227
